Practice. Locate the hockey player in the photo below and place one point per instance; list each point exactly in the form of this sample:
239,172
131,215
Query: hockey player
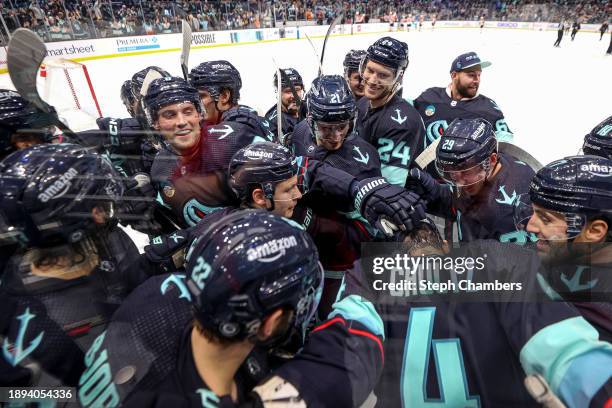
599,141
603,29
560,28
485,183
329,129
351,72
478,354
460,99
289,106
481,23
124,139
61,204
219,84
21,124
197,185
385,119
575,29
218,322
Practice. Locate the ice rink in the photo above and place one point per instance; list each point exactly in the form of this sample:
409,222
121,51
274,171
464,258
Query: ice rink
550,96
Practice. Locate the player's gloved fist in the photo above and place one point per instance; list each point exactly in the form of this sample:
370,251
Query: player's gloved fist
386,206
139,205
423,184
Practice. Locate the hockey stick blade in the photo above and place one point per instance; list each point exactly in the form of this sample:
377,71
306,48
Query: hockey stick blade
25,53
428,155
279,107
329,31
519,154
151,76
186,29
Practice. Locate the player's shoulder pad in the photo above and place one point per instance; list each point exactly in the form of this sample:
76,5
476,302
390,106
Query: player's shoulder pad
271,113
489,105
431,95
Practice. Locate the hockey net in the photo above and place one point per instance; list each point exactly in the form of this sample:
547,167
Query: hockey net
67,86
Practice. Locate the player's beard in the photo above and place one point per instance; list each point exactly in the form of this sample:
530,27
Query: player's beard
466,92
291,108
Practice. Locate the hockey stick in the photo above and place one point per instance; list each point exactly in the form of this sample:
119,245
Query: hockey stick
279,107
329,31
519,154
25,53
428,155
186,28
314,49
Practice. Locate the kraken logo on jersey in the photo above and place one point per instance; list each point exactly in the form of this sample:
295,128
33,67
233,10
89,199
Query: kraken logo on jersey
194,211
430,110
435,129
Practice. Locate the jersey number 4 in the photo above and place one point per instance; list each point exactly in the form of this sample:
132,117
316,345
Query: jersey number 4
449,366
401,151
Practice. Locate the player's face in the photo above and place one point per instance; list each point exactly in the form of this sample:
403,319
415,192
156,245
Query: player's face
180,125
211,114
378,79
466,83
288,100
286,196
331,135
25,140
356,84
550,227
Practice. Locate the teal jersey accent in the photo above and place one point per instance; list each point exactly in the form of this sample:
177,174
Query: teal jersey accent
551,351
354,307
394,175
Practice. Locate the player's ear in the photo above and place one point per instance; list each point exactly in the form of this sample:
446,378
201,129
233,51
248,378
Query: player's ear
259,198
596,231
225,96
270,323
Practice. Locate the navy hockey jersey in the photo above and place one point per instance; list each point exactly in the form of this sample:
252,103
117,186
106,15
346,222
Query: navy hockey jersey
195,186
58,312
288,122
147,346
490,215
438,110
462,353
396,130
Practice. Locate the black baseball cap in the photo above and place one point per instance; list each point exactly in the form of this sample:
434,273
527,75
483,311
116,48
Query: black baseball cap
468,60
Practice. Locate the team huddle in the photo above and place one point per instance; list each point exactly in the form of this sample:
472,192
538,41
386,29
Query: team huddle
253,292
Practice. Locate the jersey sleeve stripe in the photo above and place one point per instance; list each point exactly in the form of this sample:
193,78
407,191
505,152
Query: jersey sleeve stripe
357,332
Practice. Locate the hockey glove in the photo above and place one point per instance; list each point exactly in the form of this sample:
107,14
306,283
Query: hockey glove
425,185
139,205
386,206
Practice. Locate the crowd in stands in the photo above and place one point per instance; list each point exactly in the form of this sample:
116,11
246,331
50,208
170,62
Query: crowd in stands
67,19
